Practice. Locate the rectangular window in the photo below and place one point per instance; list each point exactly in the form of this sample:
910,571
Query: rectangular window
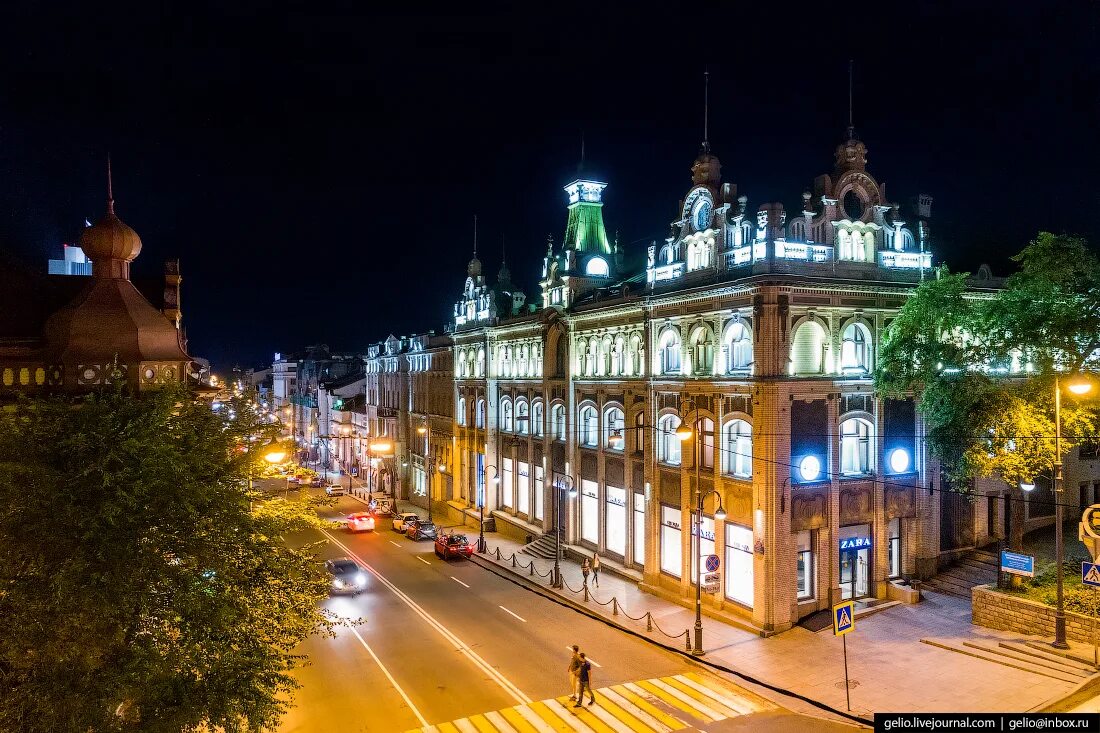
523,489
894,542
639,528
671,552
704,547
539,493
590,512
615,520
708,444
739,564
805,565
506,488
479,469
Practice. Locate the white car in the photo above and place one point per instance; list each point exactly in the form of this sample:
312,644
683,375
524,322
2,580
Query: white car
400,519
335,490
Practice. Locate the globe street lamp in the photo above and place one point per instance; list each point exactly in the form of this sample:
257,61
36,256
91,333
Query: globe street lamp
564,484
1078,386
486,479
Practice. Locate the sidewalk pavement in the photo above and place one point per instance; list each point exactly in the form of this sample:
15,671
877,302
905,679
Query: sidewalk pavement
891,670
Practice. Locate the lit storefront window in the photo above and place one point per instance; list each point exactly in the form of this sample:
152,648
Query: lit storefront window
539,497
706,543
805,565
615,519
671,552
523,489
739,577
894,540
639,528
590,512
506,497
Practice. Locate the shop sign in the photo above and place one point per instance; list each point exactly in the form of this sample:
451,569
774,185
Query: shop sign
710,583
855,543
615,500
1017,563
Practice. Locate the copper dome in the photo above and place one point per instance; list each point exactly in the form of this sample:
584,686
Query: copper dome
110,239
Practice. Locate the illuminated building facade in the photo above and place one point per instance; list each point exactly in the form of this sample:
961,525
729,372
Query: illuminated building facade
757,331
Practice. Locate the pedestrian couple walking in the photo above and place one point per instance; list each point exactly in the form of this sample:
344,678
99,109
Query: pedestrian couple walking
593,567
580,678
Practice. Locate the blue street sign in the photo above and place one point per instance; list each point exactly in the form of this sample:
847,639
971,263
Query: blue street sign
1090,574
1017,564
713,561
843,618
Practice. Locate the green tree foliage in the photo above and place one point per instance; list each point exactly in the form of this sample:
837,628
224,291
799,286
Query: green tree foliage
137,589
983,364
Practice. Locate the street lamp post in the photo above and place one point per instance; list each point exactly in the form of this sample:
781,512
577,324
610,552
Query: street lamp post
1078,388
565,483
485,481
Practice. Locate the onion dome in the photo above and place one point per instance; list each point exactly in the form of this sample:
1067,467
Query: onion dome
706,170
109,243
474,268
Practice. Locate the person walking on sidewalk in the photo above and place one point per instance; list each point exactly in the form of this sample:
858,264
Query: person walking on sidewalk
574,670
585,677
596,570
585,568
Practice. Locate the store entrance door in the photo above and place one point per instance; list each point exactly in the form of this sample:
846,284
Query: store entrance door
855,565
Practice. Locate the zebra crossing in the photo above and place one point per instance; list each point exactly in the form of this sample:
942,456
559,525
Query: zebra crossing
661,704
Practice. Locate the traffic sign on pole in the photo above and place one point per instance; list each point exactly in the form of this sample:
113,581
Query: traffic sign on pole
713,561
1090,574
843,618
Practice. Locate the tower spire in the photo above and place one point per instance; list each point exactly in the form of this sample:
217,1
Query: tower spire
851,127
475,236
110,189
706,111
503,251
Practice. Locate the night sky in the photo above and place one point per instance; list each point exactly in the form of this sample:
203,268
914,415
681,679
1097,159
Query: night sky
317,169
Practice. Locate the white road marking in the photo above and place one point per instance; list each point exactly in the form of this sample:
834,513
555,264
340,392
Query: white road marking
502,608
394,543
505,684
389,676
459,582
423,560
594,662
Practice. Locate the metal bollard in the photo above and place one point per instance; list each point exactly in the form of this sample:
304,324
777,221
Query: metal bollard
513,559
586,591
498,553
614,606
687,641
648,621
531,568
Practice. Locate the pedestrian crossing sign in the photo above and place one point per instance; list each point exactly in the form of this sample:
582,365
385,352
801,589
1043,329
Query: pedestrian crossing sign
843,618
1090,574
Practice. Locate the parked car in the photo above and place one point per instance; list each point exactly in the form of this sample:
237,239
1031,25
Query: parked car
361,522
401,518
317,482
294,480
420,529
335,490
347,576
453,545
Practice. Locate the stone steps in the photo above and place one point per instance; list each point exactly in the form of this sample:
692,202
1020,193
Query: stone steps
999,656
542,547
977,568
1040,650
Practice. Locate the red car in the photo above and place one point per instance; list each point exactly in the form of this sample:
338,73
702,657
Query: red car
453,545
361,522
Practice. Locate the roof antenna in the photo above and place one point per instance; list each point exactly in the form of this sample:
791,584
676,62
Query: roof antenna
706,111
110,189
475,236
503,252
851,127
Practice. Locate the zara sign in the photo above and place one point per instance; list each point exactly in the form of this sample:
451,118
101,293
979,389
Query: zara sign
855,543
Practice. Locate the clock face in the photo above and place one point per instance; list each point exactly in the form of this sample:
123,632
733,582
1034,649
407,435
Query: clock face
701,215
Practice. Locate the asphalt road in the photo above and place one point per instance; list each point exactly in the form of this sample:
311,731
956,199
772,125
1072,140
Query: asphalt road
444,640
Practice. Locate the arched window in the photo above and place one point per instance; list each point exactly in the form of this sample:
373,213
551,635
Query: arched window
907,242
589,426
698,255
855,349
605,356
668,255
636,353
738,344
668,442
855,446
618,357
582,357
593,357
737,449
521,362
557,419
480,417
506,422
479,368
537,419
796,232
461,411
702,351
613,420
745,231
670,352
596,267
523,417
808,349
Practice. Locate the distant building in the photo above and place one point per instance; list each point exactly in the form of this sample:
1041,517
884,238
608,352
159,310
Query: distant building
72,262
